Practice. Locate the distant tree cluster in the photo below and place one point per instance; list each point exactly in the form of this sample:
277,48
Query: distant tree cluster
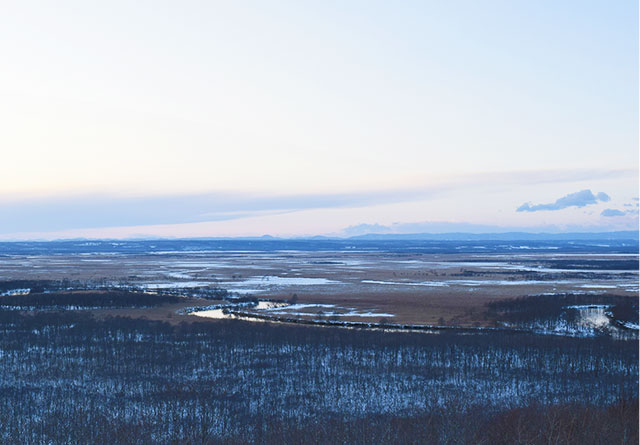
542,307
85,299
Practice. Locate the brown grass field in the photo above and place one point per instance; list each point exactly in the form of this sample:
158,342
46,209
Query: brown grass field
431,289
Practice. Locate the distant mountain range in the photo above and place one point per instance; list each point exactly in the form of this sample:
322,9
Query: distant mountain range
623,235
627,235
505,236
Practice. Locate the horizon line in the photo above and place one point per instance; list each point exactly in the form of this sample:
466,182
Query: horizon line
633,234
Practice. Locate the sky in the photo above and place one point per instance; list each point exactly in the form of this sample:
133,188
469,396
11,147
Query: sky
293,118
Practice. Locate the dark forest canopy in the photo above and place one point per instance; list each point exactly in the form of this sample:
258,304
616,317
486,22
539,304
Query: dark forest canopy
68,378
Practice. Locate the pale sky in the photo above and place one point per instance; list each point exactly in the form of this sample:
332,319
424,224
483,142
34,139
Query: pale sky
203,118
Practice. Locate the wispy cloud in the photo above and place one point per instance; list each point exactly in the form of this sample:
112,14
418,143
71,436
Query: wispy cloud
108,211
579,199
94,211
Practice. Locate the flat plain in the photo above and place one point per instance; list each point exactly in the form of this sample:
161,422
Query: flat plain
355,283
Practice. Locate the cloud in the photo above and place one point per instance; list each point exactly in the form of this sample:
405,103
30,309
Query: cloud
419,227
579,199
92,211
612,212
440,227
362,229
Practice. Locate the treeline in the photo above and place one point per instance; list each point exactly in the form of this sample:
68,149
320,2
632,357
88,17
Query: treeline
545,307
605,264
211,293
68,378
544,275
35,285
39,286
581,263
84,299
